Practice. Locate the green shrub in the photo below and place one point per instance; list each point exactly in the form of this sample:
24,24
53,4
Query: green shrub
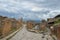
57,22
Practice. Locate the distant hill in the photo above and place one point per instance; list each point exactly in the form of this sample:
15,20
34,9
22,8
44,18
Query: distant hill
35,20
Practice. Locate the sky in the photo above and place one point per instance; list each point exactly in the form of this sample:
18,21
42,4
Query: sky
30,9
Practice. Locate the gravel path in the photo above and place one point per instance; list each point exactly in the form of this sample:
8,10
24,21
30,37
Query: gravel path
26,35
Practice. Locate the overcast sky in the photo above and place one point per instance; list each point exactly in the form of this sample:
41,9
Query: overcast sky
30,9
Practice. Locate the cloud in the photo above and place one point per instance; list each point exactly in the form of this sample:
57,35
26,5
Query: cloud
30,9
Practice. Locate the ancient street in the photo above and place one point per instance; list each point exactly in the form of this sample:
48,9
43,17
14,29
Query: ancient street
26,35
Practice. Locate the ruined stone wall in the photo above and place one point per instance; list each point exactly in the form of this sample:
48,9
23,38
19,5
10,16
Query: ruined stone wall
29,25
6,27
58,33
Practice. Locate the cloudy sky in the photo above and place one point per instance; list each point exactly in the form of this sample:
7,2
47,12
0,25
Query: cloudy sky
30,9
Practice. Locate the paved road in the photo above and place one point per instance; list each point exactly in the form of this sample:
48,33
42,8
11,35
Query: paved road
26,35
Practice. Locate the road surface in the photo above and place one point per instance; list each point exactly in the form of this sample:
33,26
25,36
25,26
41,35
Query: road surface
26,35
